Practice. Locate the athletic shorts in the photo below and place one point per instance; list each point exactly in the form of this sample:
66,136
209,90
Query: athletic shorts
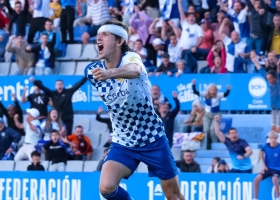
270,172
156,155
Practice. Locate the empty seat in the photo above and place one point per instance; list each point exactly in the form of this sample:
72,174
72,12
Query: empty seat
45,164
21,165
73,51
98,127
212,153
257,168
5,68
201,64
98,153
82,121
90,166
177,153
255,157
89,52
13,68
74,166
81,67
94,139
56,68
7,165
204,168
104,138
67,68
142,167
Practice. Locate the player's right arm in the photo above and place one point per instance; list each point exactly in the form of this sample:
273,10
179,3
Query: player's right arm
218,132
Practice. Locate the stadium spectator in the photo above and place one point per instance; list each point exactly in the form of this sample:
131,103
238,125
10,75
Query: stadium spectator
236,49
61,98
44,55
18,17
56,152
212,108
271,61
160,48
100,164
274,10
9,113
270,164
273,42
187,164
208,40
32,137
106,121
195,121
142,51
168,117
181,68
4,20
151,7
216,62
99,13
158,97
67,18
37,100
222,167
41,13
25,61
166,67
221,15
239,149
9,138
55,9
82,143
3,43
170,29
127,10
174,49
214,165
35,165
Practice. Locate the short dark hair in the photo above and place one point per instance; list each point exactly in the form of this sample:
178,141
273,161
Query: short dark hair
54,131
35,153
277,14
172,35
48,20
79,126
217,159
188,151
124,46
232,129
18,2
139,40
272,73
59,80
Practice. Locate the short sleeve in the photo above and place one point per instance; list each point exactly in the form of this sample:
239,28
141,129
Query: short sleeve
264,148
244,144
227,141
202,94
227,40
132,57
199,32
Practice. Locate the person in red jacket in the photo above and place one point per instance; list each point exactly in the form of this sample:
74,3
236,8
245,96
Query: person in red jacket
217,58
4,21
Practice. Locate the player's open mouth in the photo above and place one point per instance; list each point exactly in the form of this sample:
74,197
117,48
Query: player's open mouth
100,47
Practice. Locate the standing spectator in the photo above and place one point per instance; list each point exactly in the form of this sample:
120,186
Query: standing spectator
32,137
166,67
142,51
270,164
151,7
174,49
273,42
82,144
212,108
99,13
41,13
11,112
4,20
127,10
67,19
3,43
214,165
222,167
236,49
37,100
56,9
208,40
106,121
216,63
239,149
25,61
160,48
158,97
195,121
44,55
9,138
35,165
187,164
62,99
221,15
18,17
56,153
168,117
100,164
174,31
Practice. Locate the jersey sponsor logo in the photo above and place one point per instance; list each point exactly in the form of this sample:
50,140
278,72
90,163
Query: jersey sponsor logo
133,59
120,79
121,93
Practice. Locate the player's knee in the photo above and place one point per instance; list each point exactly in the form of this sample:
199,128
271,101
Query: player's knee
106,188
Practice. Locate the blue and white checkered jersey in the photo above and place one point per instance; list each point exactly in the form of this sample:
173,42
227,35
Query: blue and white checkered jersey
135,122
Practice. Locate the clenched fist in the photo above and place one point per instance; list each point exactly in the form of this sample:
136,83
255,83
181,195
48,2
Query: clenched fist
101,74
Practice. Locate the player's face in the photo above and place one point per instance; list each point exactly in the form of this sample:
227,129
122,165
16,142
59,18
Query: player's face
53,115
233,135
59,86
54,137
106,43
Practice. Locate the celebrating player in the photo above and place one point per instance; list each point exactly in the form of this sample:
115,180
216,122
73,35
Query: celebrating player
138,133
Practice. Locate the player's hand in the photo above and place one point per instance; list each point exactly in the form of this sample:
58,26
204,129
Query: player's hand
101,74
217,118
100,110
194,81
31,79
240,157
228,87
175,95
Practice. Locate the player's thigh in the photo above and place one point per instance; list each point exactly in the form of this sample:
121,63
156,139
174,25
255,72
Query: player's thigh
171,187
111,174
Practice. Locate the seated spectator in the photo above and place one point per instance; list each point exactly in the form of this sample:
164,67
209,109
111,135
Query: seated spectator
101,162
187,164
32,137
158,97
166,67
221,15
82,143
44,55
222,167
160,48
214,165
55,9
9,138
56,153
174,49
216,62
25,61
35,165
181,68
239,149
195,121
142,51
3,43
106,121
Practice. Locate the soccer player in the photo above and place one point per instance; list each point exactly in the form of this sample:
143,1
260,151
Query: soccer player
138,133
271,164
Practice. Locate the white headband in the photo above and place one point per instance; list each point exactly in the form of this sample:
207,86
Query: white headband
115,29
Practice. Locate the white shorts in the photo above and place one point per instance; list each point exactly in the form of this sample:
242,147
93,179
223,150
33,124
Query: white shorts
275,118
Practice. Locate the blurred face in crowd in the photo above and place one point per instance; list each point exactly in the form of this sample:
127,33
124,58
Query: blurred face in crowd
191,19
48,26
271,58
44,39
218,61
181,66
155,92
191,9
37,90
20,41
195,108
212,90
235,37
59,86
163,109
165,61
173,40
214,162
54,115
257,5
188,157
55,1
276,21
278,4
2,126
54,137
35,159
272,80
18,7
220,44
233,135
158,47
222,168
237,7
79,132
138,45
220,17
11,110
273,140
203,26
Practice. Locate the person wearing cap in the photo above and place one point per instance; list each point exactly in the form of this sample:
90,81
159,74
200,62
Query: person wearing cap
160,48
31,137
9,139
222,167
166,67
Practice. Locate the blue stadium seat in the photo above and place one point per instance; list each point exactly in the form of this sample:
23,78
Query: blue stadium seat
7,165
90,166
74,166
212,153
73,52
90,52
78,32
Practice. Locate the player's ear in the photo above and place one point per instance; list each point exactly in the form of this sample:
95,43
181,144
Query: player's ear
120,42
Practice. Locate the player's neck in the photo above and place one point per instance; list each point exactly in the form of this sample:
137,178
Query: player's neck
113,60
